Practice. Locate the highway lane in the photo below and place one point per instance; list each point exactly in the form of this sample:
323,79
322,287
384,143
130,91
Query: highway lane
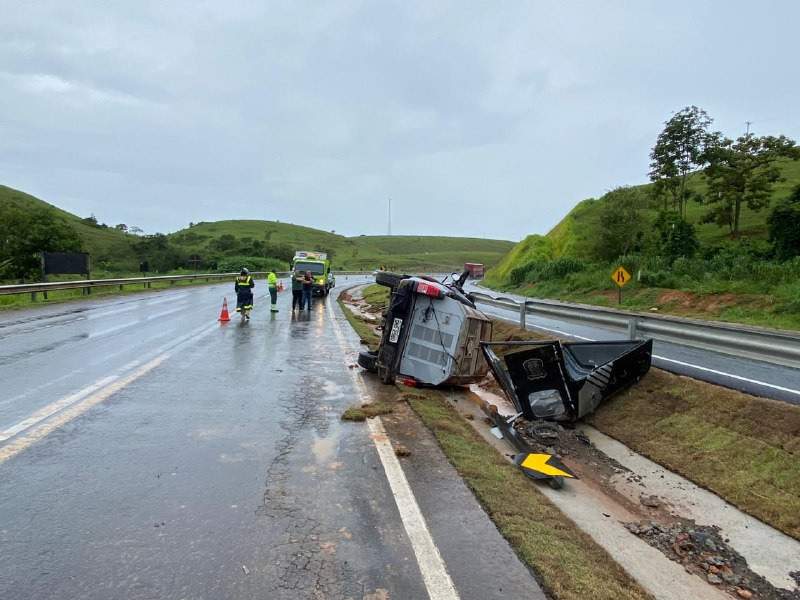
151,452
744,374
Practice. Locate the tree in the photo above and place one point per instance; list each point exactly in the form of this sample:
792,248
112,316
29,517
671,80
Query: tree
121,227
160,254
680,149
675,237
91,220
621,224
743,172
24,234
784,227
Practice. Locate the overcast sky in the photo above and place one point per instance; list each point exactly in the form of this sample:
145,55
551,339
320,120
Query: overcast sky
486,119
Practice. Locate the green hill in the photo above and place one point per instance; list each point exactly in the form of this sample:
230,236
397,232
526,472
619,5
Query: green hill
110,249
349,253
731,280
114,251
573,236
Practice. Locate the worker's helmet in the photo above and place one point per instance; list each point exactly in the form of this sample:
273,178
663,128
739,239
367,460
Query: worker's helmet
244,271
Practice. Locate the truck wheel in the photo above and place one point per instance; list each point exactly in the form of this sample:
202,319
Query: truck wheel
368,361
388,279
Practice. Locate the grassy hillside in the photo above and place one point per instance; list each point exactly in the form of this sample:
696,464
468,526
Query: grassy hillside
724,281
110,249
352,253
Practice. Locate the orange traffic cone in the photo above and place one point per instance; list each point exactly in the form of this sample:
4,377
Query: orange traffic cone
223,315
280,286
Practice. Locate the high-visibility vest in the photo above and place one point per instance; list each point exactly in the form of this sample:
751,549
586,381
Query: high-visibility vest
244,280
272,280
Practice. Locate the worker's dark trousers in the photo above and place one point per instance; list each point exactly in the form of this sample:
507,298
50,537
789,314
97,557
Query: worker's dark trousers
297,299
305,302
273,295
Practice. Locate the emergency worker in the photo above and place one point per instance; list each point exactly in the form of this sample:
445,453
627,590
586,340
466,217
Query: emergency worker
308,287
297,290
244,291
272,286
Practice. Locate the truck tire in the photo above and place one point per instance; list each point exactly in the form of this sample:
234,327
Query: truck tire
368,361
389,280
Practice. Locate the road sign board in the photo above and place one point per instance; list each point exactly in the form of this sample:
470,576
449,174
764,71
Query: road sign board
620,276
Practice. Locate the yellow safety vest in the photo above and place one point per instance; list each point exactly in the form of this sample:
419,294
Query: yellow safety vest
272,280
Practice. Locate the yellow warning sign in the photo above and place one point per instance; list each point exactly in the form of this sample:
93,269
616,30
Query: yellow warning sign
620,276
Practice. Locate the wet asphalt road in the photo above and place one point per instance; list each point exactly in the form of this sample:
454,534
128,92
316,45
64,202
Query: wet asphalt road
751,376
149,452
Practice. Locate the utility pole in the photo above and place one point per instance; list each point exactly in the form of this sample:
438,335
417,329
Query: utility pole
748,128
390,217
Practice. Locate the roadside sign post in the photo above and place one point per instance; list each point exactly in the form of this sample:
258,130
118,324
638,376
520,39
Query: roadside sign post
620,276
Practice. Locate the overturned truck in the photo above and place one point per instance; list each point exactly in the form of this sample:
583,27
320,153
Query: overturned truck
431,333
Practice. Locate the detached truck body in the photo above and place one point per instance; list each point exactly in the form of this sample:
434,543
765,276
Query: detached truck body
320,267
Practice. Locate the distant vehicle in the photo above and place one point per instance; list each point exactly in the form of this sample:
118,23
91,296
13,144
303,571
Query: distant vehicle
320,267
475,270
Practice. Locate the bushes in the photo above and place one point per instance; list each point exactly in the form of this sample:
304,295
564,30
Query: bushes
233,264
546,270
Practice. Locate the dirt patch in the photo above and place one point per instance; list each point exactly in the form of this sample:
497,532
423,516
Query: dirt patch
704,552
681,302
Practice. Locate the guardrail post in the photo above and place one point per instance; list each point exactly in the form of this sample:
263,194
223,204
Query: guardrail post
33,296
120,287
633,326
523,310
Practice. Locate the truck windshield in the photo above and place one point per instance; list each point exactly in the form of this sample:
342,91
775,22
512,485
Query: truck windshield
314,267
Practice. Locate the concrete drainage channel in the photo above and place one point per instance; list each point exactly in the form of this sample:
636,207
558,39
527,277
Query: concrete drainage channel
676,539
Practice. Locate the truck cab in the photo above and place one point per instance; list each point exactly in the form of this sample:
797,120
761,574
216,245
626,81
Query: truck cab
320,267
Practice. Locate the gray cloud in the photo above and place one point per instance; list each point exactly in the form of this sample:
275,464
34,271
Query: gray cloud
490,119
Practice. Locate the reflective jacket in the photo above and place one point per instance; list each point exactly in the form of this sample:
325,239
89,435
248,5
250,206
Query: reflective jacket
244,283
272,280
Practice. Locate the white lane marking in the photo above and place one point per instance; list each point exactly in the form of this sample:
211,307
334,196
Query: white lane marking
732,376
431,565
672,360
79,402
135,323
54,407
21,442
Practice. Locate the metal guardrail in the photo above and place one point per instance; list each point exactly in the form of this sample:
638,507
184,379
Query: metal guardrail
88,284
757,343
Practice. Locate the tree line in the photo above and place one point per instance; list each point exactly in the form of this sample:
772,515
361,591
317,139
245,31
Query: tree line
690,163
